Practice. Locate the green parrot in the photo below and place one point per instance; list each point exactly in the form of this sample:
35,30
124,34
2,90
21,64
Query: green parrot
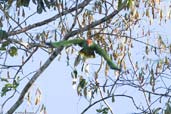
88,50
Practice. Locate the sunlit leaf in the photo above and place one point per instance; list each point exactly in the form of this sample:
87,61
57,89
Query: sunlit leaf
151,20
166,61
38,96
106,69
37,100
136,14
7,87
169,14
147,13
161,14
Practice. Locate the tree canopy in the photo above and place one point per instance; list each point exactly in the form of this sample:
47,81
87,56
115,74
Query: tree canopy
134,34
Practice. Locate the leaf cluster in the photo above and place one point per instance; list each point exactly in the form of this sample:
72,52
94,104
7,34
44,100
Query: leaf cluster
41,4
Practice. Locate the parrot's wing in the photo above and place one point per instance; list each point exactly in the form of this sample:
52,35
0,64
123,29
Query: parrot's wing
66,43
103,53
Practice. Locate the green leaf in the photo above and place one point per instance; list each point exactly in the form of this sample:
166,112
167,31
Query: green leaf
23,3
3,35
15,84
119,4
4,44
85,92
34,1
113,98
168,109
39,9
75,73
13,51
2,48
40,6
6,88
103,111
79,90
4,79
156,111
77,60
99,110
129,3
82,83
47,3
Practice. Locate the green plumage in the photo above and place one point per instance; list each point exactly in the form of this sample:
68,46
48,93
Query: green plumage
87,51
67,43
103,53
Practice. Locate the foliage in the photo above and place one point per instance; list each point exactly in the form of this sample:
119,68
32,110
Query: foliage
103,111
133,34
41,4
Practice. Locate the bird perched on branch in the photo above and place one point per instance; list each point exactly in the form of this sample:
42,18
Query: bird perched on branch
88,50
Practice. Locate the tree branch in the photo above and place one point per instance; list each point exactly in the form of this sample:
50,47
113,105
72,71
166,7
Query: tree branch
108,98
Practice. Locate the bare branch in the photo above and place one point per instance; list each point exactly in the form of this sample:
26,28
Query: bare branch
108,98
